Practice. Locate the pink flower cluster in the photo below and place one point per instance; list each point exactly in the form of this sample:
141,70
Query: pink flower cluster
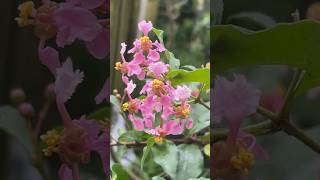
69,21
161,109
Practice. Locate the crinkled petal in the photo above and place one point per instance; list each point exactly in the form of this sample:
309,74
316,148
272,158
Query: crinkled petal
99,47
65,173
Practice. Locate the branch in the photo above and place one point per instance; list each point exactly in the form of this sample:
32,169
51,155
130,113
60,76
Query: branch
175,140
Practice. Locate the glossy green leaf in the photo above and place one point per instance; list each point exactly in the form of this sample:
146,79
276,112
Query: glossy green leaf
174,63
15,125
133,136
190,162
180,76
146,150
294,44
118,173
159,34
166,155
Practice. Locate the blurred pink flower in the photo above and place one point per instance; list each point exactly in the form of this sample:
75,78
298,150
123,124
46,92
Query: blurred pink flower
104,93
233,101
66,81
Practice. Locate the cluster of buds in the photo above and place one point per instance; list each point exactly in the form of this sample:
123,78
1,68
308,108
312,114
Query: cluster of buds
161,108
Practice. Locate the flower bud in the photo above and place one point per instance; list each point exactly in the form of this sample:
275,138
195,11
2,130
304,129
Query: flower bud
17,96
115,91
50,92
26,110
195,93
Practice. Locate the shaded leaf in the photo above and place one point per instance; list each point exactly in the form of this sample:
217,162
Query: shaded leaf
15,125
294,44
101,114
174,63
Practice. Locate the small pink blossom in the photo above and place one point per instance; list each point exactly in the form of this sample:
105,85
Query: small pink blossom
158,69
67,80
182,93
159,46
153,55
130,87
145,27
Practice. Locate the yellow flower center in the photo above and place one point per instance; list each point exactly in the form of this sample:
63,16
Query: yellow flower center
242,161
158,139
183,111
51,139
125,106
25,11
157,85
145,43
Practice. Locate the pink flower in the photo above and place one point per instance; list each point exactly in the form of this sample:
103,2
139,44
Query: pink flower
159,46
153,55
130,87
75,23
77,141
234,99
67,81
145,27
49,57
182,93
99,46
136,46
158,69
137,122
104,93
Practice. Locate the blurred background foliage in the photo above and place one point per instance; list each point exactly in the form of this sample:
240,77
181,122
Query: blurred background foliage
289,158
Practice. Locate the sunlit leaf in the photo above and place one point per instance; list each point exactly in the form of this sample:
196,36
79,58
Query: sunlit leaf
118,173
146,150
180,76
133,136
206,150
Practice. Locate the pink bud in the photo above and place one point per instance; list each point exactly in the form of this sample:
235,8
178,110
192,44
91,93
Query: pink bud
17,96
49,92
26,110
195,93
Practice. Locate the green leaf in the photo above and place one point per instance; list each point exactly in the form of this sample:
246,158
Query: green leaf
158,178
254,20
159,34
166,156
294,44
190,162
133,136
15,125
180,76
201,178
118,173
115,102
206,150
201,118
174,63
146,150
101,114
